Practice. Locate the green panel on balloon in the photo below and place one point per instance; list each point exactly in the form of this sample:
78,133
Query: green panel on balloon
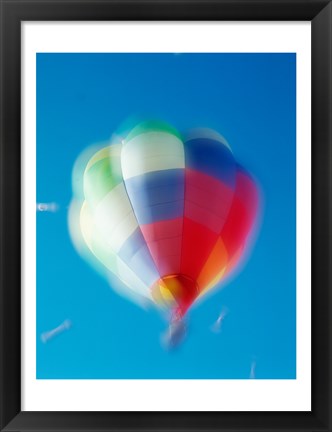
152,126
102,174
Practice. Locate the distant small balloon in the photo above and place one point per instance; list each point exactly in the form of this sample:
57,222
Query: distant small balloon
253,370
51,207
46,336
216,327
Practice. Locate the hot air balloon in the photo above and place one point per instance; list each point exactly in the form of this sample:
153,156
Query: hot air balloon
170,216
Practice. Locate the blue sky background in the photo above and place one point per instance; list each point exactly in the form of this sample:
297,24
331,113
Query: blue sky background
251,100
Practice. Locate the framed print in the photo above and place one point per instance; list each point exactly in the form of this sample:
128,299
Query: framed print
165,215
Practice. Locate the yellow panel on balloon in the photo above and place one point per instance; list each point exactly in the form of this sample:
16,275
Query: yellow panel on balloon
156,295
167,295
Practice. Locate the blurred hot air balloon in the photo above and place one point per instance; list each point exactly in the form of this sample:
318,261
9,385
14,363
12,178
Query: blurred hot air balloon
169,216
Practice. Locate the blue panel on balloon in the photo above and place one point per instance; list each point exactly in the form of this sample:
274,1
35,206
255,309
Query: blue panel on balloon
157,195
212,158
133,243
160,212
143,266
134,252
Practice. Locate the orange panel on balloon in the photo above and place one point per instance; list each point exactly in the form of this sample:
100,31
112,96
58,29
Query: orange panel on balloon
214,266
234,260
231,264
213,282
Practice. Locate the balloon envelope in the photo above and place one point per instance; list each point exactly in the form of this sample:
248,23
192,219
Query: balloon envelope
169,216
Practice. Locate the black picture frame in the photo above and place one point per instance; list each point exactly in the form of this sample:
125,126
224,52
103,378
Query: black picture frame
13,12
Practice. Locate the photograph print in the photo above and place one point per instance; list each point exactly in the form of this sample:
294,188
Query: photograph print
166,216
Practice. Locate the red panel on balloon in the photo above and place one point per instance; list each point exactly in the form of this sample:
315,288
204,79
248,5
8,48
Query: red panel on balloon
166,255
164,243
168,265
242,214
208,193
162,229
235,228
197,244
165,247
